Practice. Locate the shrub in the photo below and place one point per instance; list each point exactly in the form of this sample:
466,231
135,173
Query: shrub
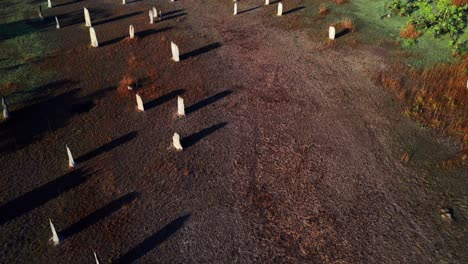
348,24
410,32
323,10
126,81
340,2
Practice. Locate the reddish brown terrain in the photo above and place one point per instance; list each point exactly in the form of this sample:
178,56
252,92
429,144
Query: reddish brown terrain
291,152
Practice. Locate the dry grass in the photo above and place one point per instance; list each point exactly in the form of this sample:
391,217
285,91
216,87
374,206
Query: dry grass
405,158
436,97
8,88
126,81
340,2
132,62
323,10
152,75
459,2
410,32
458,161
348,24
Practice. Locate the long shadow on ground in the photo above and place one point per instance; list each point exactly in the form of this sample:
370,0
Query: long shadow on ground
107,147
76,17
98,215
166,17
163,99
172,12
117,18
27,26
153,241
112,41
194,138
149,32
293,10
342,33
200,51
207,101
41,195
45,113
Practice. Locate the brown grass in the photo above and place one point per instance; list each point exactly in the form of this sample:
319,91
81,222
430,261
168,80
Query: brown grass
436,97
126,81
410,32
340,2
8,88
331,44
323,10
404,158
459,2
152,75
348,24
132,62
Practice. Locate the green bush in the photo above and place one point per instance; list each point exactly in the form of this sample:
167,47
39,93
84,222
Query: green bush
438,17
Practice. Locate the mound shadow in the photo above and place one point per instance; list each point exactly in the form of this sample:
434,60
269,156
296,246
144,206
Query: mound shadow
48,22
293,10
76,17
98,215
196,137
112,41
342,33
45,113
107,147
169,17
172,12
208,101
201,50
117,18
149,32
20,28
41,195
42,91
163,99
153,241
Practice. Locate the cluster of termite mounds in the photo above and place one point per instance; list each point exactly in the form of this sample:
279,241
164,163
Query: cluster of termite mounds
154,15
267,2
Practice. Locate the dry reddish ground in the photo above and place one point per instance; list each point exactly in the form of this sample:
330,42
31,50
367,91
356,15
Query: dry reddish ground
292,153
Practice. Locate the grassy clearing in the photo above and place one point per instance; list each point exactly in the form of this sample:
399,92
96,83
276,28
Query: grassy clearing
21,46
374,26
429,50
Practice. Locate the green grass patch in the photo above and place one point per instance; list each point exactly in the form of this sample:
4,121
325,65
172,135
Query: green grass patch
22,45
374,26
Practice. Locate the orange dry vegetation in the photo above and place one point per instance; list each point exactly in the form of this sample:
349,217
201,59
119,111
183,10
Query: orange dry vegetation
348,24
410,32
459,2
126,81
132,62
323,10
436,97
339,2
8,88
